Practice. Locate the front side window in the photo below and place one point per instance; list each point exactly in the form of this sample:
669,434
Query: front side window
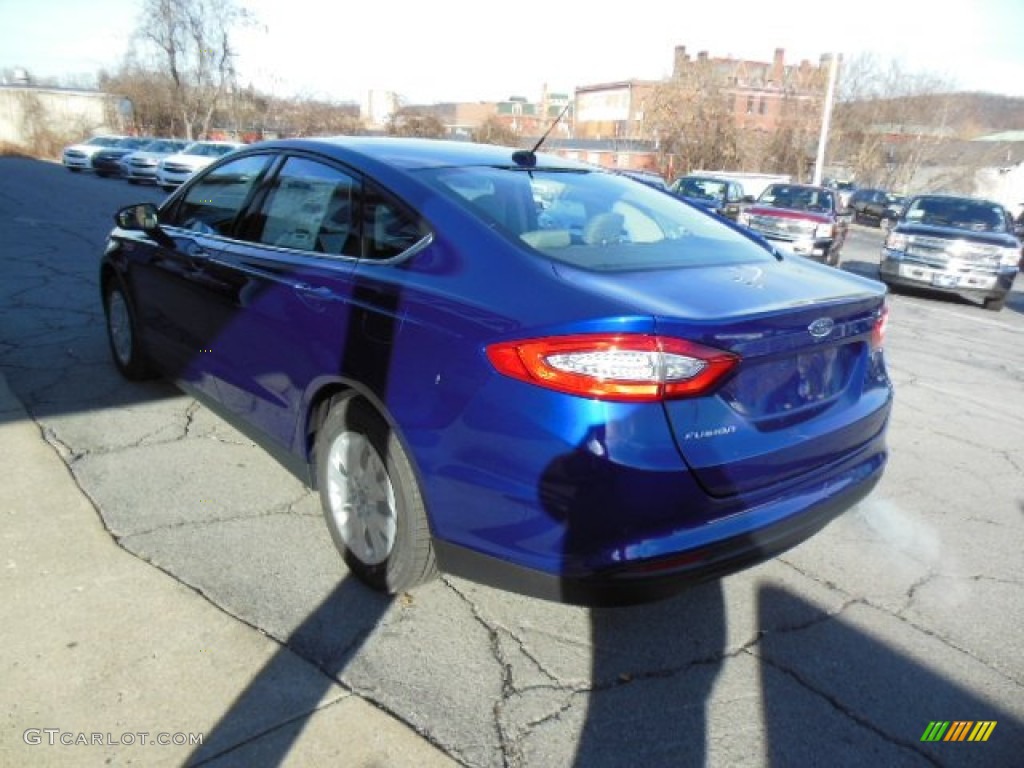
312,207
593,219
213,202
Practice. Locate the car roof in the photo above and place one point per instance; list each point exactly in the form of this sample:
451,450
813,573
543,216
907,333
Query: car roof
799,186
706,177
409,153
955,198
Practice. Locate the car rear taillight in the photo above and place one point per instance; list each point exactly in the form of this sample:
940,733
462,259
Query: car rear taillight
624,367
881,324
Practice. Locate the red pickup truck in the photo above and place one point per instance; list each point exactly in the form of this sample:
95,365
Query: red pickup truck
801,219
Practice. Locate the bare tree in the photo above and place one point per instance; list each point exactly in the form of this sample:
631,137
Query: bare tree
890,121
409,122
494,131
154,110
791,147
189,43
691,117
309,117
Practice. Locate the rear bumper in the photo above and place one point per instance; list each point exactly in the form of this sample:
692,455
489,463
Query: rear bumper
720,548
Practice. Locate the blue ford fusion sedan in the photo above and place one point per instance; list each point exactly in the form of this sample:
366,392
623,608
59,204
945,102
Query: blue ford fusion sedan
508,366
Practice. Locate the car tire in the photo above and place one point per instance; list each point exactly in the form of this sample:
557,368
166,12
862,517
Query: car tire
371,499
123,334
995,303
74,170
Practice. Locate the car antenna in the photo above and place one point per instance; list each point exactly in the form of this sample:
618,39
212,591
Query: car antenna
528,157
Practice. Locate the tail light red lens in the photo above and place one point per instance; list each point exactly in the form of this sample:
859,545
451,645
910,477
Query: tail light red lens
623,367
881,325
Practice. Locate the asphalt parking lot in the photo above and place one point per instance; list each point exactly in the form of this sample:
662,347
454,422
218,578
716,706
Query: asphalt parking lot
905,611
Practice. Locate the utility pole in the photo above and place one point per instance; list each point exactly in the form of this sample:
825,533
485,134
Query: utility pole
826,119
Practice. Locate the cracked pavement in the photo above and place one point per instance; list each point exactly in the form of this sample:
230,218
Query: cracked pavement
905,610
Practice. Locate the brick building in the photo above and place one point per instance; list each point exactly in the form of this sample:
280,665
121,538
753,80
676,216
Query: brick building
763,92
612,110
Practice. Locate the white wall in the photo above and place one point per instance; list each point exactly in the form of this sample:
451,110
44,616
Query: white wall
60,112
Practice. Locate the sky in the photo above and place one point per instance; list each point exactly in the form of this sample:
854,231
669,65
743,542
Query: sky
461,50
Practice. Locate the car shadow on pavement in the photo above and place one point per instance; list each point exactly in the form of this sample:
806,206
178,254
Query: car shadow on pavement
815,666
653,670
268,717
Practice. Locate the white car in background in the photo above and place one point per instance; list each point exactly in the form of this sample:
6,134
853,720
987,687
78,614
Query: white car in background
174,169
78,157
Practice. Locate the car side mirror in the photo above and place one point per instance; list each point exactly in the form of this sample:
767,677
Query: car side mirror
142,216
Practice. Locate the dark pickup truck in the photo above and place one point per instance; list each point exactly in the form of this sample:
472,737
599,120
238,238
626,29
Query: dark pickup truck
801,219
720,196
961,245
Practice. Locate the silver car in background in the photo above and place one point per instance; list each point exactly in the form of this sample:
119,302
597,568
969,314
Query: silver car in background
141,165
174,169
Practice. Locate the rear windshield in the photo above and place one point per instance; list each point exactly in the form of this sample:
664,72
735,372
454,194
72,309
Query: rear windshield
958,213
593,219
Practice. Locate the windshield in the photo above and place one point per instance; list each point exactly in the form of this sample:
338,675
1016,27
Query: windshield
209,150
163,145
958,213
593,219
796,198
702,189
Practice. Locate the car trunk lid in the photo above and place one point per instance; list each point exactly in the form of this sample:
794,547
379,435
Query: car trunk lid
807,391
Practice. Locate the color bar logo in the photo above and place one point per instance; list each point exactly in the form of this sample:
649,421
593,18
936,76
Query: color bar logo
958,730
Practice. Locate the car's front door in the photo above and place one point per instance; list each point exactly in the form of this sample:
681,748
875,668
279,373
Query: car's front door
181,280
294,258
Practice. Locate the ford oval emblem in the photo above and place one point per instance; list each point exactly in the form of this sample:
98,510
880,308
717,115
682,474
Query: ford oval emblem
821,327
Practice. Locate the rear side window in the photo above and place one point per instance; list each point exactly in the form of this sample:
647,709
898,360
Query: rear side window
389,228
212,204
